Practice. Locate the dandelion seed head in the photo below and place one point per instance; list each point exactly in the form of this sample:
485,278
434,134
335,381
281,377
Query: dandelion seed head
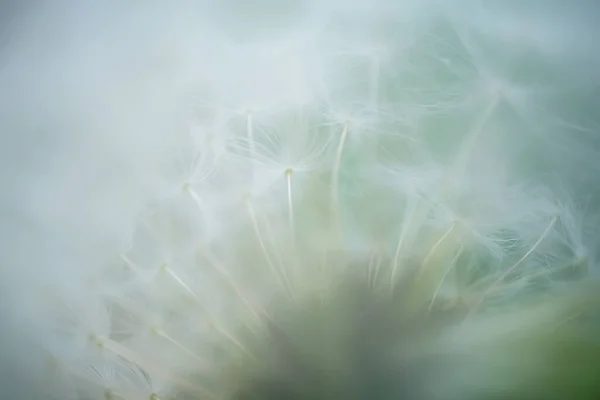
319,200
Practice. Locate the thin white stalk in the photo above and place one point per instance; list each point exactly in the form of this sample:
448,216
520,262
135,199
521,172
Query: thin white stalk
130,264
448,270
214,261
526,255
181,347
228,335
261,242
335,178
439,242
250,133
283,267
370,268
167,337
374,268
177,279
209,319
518,263
468,145
409,213
149,366
570,265
190,190
288,176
